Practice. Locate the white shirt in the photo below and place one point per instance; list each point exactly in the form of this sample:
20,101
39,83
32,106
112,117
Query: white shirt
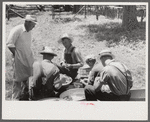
21,40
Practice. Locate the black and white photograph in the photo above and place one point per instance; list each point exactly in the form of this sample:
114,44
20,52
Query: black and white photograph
75,60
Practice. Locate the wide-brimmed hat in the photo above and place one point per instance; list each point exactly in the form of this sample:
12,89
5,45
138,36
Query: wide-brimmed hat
47,50
31,18
66,35
106,52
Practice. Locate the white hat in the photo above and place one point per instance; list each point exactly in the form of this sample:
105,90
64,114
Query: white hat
66,35
106,52
31,18
48,50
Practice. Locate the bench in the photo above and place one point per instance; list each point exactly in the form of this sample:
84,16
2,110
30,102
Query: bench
137,95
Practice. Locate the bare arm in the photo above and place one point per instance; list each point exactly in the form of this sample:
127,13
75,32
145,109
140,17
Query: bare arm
99,81
36,71
62,63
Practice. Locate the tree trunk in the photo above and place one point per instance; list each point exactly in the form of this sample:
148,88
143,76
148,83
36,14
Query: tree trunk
129,21
96,11
85,11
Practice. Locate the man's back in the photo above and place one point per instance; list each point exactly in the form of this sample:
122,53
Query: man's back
115,75
42,81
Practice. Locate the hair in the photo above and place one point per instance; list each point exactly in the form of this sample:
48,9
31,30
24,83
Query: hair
27,21
91,60
107,56
47,54
66,38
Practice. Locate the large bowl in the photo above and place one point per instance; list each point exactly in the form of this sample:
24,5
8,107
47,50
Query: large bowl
52,99
78,85
76,94
65,80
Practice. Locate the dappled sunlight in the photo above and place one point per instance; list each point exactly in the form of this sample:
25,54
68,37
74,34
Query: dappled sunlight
114,34
90,36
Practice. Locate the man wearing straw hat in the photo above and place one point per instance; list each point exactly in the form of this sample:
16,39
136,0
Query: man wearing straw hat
114,83
45,77
71,57
19,43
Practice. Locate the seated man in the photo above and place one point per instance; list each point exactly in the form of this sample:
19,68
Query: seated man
72,59
114,83
96,67
45,77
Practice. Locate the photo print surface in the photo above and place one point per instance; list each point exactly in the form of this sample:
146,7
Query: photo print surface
72,60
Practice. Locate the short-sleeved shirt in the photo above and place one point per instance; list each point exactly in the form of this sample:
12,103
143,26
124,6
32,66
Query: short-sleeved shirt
116,81
20,39
97,69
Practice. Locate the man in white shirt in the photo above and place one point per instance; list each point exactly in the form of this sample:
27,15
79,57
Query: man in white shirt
19,43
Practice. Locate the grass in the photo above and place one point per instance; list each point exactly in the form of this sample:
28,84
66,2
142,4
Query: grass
129,47
113,33
90,36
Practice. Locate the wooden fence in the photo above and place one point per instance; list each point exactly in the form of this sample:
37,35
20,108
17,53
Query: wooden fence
15,10
105,10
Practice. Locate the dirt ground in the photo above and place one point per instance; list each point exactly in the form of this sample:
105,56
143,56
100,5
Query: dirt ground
48,31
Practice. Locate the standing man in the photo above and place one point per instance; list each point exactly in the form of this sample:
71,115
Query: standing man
19,43
71,58
114,83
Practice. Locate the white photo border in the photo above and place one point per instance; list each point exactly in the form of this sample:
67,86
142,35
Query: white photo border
13,110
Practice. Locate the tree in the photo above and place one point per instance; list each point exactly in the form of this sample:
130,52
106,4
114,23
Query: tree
129,21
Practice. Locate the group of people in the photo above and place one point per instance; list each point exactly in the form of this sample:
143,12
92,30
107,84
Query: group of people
108,80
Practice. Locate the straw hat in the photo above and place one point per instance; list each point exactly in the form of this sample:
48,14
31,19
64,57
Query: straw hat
31,18
66,35
48,50
106,52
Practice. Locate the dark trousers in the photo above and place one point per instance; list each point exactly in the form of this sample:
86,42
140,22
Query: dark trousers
92,95
40,91
20,90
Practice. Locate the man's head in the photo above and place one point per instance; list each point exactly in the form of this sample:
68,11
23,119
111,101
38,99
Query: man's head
66,40
90,60
105,55
30,22
48,53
